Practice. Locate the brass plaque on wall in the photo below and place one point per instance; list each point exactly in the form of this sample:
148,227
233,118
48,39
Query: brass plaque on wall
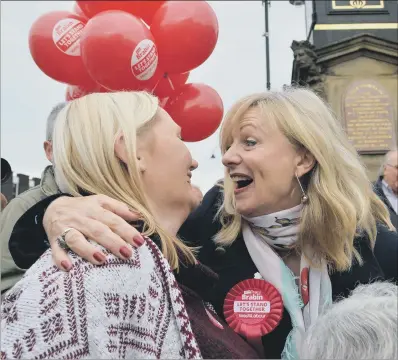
357,7
357,4
369,116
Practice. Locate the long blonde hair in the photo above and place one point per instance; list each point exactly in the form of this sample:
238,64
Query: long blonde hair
84,137
342,203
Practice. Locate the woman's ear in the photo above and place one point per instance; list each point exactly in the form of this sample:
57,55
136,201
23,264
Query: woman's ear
120,149
121,153
305,162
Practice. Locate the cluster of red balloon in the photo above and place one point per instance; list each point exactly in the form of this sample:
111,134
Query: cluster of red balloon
134,45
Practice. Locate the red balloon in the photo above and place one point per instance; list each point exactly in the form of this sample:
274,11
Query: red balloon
78,11
198,109
75,91
119,52
169,84
54,43
104,90
163,102
186,34
144,9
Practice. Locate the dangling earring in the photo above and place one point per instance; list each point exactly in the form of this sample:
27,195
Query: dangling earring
304,196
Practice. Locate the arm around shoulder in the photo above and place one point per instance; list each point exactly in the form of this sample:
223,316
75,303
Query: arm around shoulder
25,233
9,218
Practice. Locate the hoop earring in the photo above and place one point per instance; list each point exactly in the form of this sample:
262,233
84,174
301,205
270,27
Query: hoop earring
304,196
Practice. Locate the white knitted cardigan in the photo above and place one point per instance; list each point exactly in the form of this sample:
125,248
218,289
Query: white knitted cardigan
121,310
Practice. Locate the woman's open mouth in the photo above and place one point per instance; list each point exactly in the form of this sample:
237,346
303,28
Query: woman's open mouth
242,182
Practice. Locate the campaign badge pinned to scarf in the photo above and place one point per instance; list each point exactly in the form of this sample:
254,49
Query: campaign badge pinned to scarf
253,308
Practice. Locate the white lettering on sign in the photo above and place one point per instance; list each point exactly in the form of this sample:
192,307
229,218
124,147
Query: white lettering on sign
262,307
144,60
66,36
252,296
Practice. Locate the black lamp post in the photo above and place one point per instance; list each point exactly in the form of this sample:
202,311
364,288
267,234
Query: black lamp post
266,3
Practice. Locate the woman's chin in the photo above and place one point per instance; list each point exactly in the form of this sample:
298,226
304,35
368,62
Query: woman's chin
244,208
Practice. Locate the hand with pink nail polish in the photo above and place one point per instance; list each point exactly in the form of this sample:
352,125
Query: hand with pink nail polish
99,218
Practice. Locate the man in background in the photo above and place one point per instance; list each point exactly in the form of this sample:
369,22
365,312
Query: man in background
386,187
3,201
6,173
10,273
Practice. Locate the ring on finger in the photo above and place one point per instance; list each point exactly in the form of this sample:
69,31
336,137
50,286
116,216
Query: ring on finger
61,239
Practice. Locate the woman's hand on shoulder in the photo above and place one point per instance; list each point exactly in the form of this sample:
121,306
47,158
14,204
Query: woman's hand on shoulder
96,217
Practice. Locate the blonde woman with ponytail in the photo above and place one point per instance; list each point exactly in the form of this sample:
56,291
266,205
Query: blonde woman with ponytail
149,304
295,209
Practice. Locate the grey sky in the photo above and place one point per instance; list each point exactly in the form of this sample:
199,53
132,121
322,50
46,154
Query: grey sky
235,69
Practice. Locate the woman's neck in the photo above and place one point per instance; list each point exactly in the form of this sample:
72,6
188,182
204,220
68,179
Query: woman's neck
170,218
285,205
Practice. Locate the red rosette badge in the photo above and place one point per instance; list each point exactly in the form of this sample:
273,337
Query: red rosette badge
253,308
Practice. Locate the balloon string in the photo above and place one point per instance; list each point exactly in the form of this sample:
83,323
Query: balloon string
156,85
170,82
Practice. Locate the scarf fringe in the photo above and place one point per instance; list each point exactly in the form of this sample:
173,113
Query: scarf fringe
291,294
290,351
292,301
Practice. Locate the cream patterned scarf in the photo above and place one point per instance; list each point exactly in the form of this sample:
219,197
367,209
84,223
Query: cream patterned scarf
280,231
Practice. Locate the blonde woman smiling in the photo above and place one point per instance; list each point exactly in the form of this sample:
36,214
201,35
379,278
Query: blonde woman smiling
296,209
